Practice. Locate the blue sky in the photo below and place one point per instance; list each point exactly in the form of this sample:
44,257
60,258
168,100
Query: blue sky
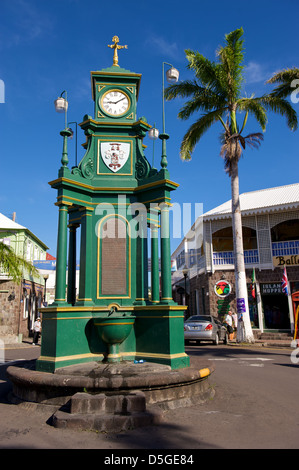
47,46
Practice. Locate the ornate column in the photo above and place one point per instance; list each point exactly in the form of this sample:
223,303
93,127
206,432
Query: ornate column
85,282
155,284
166,291
71,284
145,263
60,286
141,261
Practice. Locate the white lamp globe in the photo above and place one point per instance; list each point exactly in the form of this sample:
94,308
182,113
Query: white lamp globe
61,105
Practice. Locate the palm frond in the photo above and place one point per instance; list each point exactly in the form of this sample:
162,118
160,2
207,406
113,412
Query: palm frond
284,76
14,265
287,82
196,131
202,98
205,101
183,89
281,106
254,106
254,140
231,58
233,39
204,69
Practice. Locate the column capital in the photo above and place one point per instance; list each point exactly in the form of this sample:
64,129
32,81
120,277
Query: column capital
86,211
73,225
63,203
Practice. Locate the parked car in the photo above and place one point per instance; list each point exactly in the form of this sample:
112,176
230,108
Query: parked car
204,328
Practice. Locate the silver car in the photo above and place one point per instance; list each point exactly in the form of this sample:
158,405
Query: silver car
204,328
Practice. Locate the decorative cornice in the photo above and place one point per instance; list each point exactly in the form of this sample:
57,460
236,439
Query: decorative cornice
103,188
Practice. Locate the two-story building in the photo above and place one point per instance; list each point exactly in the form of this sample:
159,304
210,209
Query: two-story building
204,278
19,302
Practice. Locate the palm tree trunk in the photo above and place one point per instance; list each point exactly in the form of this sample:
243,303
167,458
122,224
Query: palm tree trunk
244,332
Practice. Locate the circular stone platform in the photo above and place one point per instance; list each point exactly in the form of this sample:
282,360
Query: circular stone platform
158,382
111,397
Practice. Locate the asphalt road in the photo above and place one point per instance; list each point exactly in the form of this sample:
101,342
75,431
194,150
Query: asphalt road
256,400
255,407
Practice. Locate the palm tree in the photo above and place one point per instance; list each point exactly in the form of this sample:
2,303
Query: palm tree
13,264
215,92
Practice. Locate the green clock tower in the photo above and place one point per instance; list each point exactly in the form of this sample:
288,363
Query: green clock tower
115,207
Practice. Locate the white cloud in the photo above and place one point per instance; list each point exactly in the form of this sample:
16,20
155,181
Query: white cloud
22,23
165,48
255,72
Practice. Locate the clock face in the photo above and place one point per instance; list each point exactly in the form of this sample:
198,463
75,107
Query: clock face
115,102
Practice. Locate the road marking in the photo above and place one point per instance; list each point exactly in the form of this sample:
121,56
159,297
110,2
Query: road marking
240,359
254,361
222,359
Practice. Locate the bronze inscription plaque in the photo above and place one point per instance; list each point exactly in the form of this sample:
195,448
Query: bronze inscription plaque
114,257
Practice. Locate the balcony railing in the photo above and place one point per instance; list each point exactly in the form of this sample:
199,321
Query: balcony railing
251,257
285,248
227,257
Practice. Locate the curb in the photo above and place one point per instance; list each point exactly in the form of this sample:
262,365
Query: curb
7,346
265,344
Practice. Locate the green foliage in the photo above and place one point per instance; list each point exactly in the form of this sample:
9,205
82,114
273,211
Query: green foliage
14,265
285,82
231,65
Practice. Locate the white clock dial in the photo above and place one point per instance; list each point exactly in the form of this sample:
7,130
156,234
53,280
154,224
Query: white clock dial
115,102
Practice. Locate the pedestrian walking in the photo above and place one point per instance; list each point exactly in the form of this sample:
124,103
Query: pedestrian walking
229,324
37,328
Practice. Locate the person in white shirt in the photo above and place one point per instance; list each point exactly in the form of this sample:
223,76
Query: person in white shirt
229,324
37,328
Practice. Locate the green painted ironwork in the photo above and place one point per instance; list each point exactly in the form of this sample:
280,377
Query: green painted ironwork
98,190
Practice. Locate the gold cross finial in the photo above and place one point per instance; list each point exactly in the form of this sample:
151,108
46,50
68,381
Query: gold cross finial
115,46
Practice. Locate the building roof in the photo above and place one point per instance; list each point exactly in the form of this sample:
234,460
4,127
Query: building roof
8,224
259,202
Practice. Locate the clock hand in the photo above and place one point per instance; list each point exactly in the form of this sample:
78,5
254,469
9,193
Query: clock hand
119,100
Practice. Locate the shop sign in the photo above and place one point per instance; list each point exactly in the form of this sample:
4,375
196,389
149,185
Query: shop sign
290,260
222,288
223,306
274,288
